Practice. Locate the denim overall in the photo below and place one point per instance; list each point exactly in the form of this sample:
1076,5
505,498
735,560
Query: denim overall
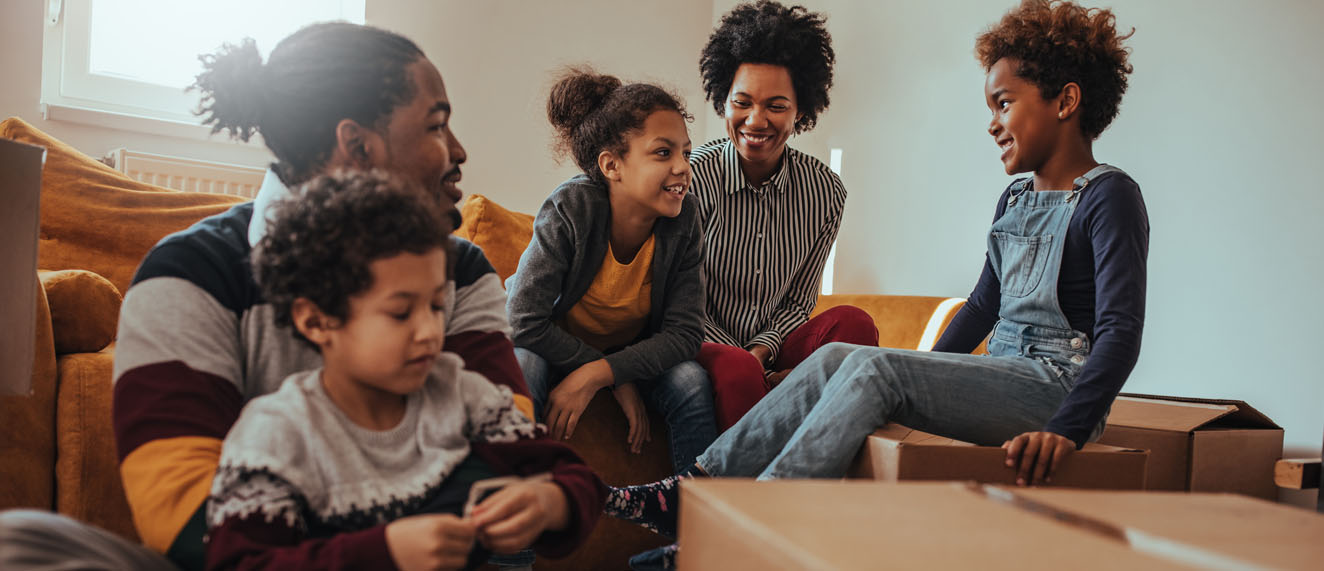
1025,250
812,425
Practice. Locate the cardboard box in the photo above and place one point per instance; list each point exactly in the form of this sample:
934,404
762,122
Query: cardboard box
825,525
1200,445
896,453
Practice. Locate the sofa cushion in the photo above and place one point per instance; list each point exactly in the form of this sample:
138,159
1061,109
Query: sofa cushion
85,310
502,234
96,218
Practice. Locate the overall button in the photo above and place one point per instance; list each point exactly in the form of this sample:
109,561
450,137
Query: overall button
1076,343
1077,359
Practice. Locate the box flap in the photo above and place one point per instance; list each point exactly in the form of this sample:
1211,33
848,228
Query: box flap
898,435
1144,412
1184,413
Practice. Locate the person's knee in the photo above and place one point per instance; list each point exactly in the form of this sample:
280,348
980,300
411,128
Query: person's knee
853,325
733,363
835,352
689,382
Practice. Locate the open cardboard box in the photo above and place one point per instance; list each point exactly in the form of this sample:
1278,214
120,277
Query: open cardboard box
896,453
1200,445
824,525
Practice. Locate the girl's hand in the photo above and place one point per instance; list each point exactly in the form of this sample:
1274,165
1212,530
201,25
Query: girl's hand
430,542
1036,455
569,399
627,395
514,517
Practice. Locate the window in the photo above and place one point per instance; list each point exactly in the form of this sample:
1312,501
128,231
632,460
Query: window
125,63
830,268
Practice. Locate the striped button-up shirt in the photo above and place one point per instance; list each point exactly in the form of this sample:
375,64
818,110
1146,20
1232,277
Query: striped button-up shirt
766,246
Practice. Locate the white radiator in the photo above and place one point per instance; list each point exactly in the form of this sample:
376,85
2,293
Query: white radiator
190,175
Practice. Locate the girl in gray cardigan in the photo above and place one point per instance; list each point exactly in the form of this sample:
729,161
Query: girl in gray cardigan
610,292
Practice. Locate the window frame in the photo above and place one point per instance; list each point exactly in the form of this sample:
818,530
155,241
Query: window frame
71,92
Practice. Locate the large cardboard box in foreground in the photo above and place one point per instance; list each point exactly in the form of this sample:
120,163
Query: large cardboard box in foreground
826,525
1200,445
897,453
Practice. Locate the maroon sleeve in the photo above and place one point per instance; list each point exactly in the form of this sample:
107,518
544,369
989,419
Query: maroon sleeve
492,355
254,543
584,491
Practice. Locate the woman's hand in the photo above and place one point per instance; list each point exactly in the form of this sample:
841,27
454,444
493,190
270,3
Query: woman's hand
627,395
514,517
763,353
771,380
430,542
569,399
1036,455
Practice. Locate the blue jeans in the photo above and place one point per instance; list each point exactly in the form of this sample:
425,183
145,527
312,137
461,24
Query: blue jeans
683,394
813,423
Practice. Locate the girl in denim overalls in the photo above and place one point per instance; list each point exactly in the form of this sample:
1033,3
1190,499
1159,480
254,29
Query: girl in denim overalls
1062,293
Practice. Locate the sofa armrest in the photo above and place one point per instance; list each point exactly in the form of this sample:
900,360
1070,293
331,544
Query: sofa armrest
27,427
88,483
84,310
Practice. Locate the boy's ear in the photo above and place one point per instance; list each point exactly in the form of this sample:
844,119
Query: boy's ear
610,165
356,146
1068,101
311,322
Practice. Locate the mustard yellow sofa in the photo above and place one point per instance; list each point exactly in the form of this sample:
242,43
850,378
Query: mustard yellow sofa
96,225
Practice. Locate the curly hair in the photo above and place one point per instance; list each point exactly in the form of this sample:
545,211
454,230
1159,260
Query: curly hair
592,112
770,33
1059,42
321,243
314,78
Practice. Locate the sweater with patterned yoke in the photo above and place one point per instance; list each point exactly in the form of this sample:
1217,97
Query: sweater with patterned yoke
301,484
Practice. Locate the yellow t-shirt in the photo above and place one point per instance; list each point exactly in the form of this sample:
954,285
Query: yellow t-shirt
615,308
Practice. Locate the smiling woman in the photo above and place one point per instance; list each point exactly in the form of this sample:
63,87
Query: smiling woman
772,213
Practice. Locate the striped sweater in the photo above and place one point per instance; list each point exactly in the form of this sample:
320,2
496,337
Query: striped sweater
196,341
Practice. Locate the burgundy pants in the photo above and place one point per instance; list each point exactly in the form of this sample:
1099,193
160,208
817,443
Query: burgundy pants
737,377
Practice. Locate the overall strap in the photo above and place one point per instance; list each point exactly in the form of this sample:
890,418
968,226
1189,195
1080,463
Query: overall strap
1083,181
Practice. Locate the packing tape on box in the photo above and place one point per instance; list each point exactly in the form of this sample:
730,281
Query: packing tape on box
1150,544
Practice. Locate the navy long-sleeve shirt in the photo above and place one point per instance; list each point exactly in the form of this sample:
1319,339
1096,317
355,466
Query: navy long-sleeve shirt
1101,291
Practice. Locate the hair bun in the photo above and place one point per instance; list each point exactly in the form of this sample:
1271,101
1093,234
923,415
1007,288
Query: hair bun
232,89
577,94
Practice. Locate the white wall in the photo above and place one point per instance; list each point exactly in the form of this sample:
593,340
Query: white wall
1221,126
500,57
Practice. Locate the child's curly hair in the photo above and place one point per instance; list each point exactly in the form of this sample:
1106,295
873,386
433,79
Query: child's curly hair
1059,42
321,242
770,33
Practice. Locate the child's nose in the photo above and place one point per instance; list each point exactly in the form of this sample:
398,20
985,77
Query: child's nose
430,329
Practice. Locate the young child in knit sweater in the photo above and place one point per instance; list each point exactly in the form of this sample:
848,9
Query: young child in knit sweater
367,461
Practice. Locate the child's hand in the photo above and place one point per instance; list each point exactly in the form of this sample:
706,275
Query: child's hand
569,399
431,541
514,517
1037,452
627,395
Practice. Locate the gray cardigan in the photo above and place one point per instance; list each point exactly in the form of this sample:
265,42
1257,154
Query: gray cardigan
570,238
